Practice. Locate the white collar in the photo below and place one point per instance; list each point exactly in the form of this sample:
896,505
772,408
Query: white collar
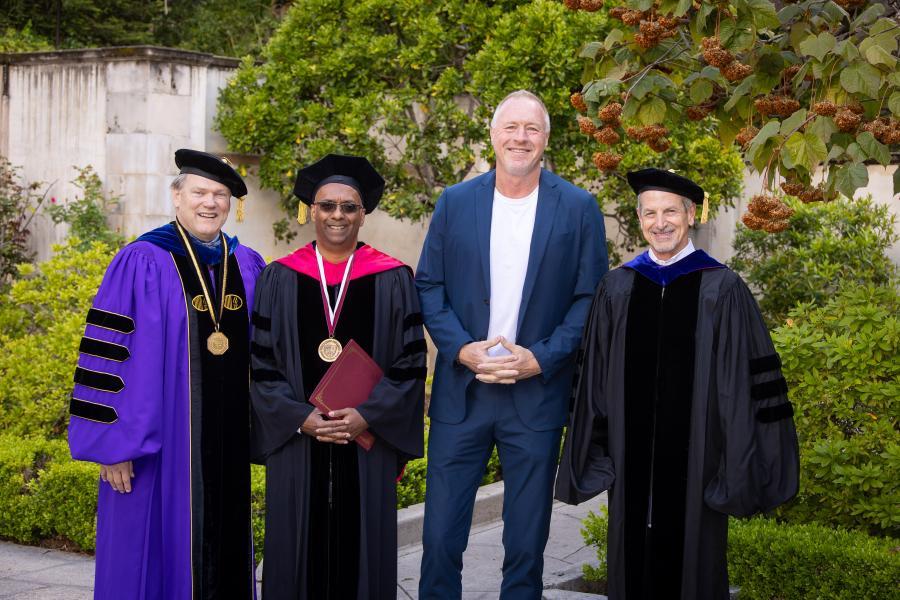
665,263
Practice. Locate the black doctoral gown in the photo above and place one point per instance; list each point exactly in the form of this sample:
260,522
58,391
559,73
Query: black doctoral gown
681,411
381,313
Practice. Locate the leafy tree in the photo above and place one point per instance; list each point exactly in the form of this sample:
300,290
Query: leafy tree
411,85
22,40
19,202
814,84
842,363
827,245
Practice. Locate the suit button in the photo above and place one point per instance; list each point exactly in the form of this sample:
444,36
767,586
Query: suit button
487,300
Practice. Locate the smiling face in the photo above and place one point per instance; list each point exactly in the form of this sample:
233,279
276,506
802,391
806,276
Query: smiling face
519,135
336,231
201,206
665,221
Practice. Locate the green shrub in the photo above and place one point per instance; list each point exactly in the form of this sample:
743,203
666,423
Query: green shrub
828,244
258,507
594,532
86,216
777,561
23,464
18,203
769,561
64,499
842,364
41,323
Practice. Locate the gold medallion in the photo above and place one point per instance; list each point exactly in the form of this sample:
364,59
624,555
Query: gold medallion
330,349
217,343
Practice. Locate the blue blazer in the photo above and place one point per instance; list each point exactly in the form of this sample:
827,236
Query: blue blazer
565,264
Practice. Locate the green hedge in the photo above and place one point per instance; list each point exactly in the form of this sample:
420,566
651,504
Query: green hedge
44,494
778,561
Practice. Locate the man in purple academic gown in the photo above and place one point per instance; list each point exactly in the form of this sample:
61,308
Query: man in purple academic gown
161,401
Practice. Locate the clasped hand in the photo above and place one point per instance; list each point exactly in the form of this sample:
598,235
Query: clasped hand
118,476
520,363
341,427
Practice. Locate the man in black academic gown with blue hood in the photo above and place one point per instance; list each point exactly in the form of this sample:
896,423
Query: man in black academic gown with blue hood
680,409
331,505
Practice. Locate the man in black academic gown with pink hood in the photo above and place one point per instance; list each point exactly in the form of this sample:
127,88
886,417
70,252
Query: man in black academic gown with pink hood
331,505
680,410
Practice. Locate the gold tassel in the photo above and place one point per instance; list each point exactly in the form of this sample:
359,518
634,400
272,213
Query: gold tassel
704,214
302,213
239,213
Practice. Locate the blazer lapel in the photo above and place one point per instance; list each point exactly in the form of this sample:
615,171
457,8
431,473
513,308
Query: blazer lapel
484,203
548,200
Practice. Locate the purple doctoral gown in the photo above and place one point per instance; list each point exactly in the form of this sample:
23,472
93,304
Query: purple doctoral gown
135,399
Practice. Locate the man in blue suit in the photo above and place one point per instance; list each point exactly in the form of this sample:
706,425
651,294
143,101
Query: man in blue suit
506,277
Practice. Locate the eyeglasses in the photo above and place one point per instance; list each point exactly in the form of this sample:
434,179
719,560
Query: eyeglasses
328,207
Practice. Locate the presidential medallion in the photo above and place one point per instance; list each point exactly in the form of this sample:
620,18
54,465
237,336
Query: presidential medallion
217,343
330,349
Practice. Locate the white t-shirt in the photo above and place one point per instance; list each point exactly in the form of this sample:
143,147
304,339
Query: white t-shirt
512,223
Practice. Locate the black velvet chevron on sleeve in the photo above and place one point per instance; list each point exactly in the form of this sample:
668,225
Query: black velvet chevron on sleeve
769,389
105,382
261,322
104,349
764,363
770,414
92,411
110,320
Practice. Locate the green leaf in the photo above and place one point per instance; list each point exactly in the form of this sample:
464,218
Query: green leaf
601,88
806,149
861,78
847,50
882,26
894,104
764,15
856,153
850,177
740,91
788,13
818,45
867,16
877,55
591,49
873,148
896,181
823,127
682,7
640,4
793,122
614,37
701,90
652,111
769,129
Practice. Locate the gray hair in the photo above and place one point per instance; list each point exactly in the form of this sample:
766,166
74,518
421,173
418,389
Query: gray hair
522,94
687,202
178,182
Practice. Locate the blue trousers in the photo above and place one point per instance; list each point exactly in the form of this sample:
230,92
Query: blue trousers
457,456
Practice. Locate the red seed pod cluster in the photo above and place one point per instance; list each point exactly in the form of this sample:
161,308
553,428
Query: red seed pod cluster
811,194
607,135
660,144
767,213
846,119
633,17
654,29
698,113
736,71
825,108
611,114
746,135
572,4
578,102
855,107
616,12
606,161
792,188
714,54
652,135
591,5
851,4
586,125
776,105
885,129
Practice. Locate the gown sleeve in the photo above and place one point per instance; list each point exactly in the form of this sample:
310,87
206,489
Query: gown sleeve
277,412
585,468
117,401
396,406
759,463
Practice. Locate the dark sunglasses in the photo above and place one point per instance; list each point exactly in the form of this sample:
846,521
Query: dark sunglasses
329,206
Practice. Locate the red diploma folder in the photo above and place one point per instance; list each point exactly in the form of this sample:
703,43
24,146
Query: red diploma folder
347,384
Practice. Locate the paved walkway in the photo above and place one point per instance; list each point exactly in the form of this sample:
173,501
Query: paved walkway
29,573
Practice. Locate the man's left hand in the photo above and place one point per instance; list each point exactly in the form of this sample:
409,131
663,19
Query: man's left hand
500,369
355,423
